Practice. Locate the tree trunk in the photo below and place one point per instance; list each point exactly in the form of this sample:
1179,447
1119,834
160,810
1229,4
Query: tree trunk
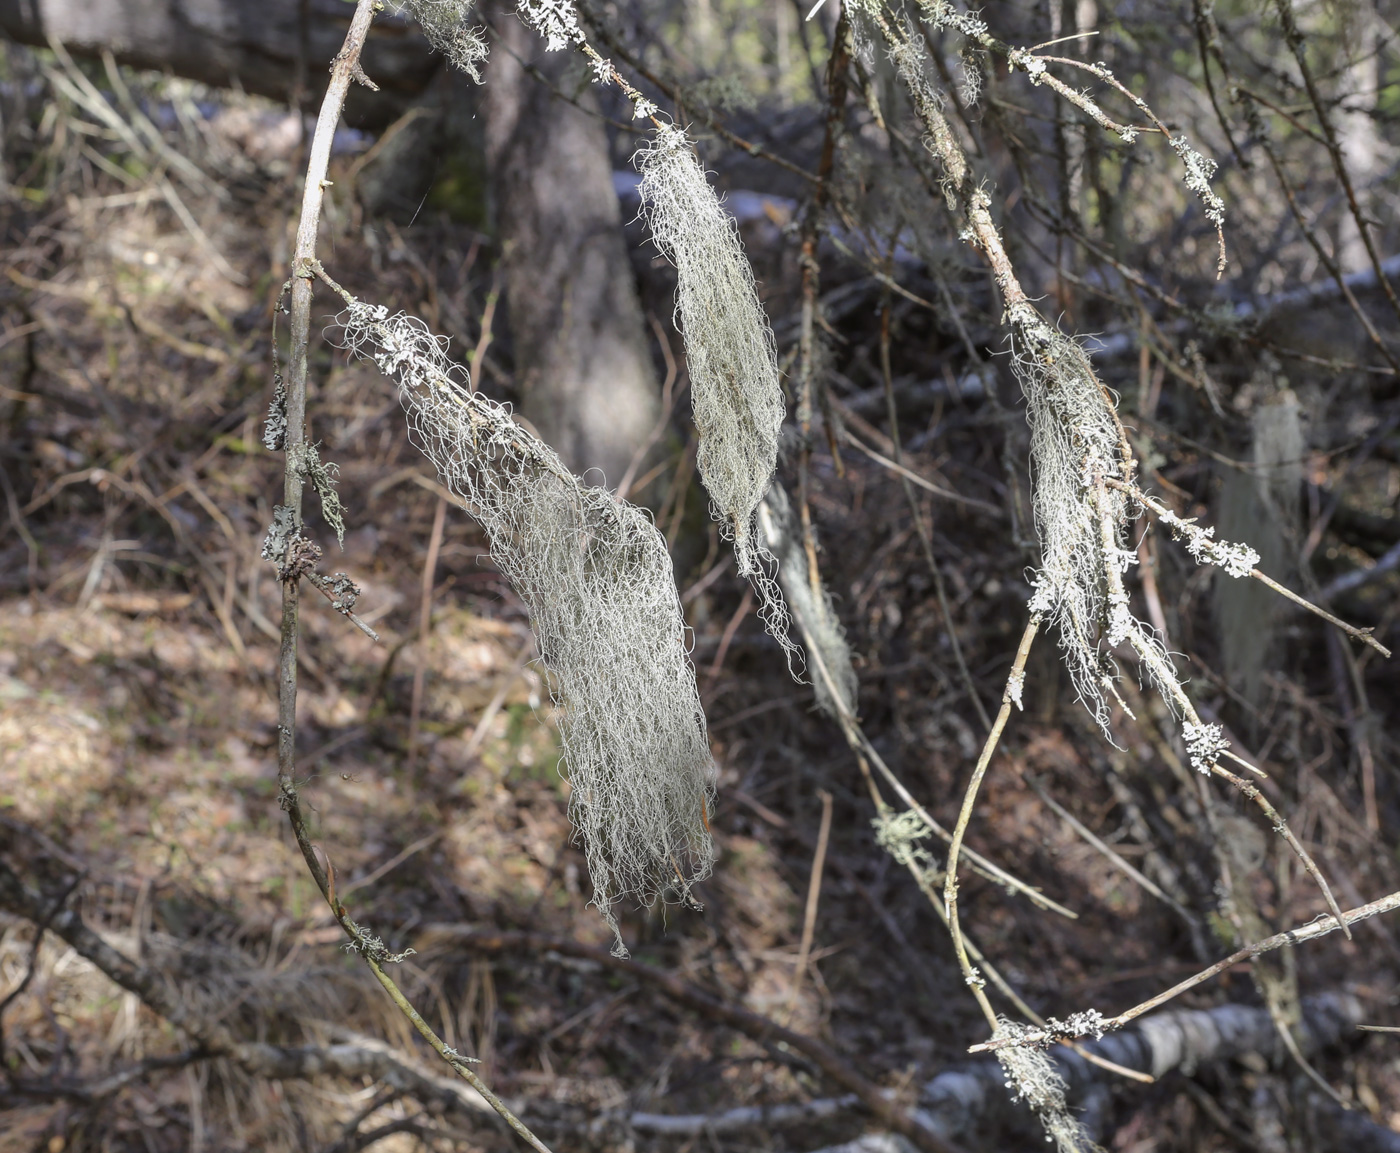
584,372
268,48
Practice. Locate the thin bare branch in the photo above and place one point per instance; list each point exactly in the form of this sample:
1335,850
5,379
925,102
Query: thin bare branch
1015,681
1309,932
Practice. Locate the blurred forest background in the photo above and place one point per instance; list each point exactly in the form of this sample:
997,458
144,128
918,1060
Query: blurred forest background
149,181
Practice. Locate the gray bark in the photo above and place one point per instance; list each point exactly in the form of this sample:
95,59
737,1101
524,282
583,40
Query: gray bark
583,369
1360,87
957,1100
265,48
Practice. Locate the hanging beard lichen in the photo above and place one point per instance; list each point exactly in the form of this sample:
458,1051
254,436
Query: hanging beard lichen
596,577
736,398
1077,446
444,23
829,656
737,401
1032,1077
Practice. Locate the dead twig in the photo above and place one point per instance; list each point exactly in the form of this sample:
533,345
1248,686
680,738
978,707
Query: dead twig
920,528
425,618
915,478
31,965
355,1058
488,714
1107,851
814,888
1010,695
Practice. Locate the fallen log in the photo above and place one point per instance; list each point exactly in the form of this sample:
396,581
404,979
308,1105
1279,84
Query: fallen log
282,51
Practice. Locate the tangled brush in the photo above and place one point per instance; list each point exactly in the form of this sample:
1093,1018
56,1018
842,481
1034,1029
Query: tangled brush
596,577
738,404
1081,463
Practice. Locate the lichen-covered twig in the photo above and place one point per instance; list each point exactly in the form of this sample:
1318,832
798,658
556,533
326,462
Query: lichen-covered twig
1309,932
1078,445
1199,169
445,24
1236,559
294,563
1015,680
